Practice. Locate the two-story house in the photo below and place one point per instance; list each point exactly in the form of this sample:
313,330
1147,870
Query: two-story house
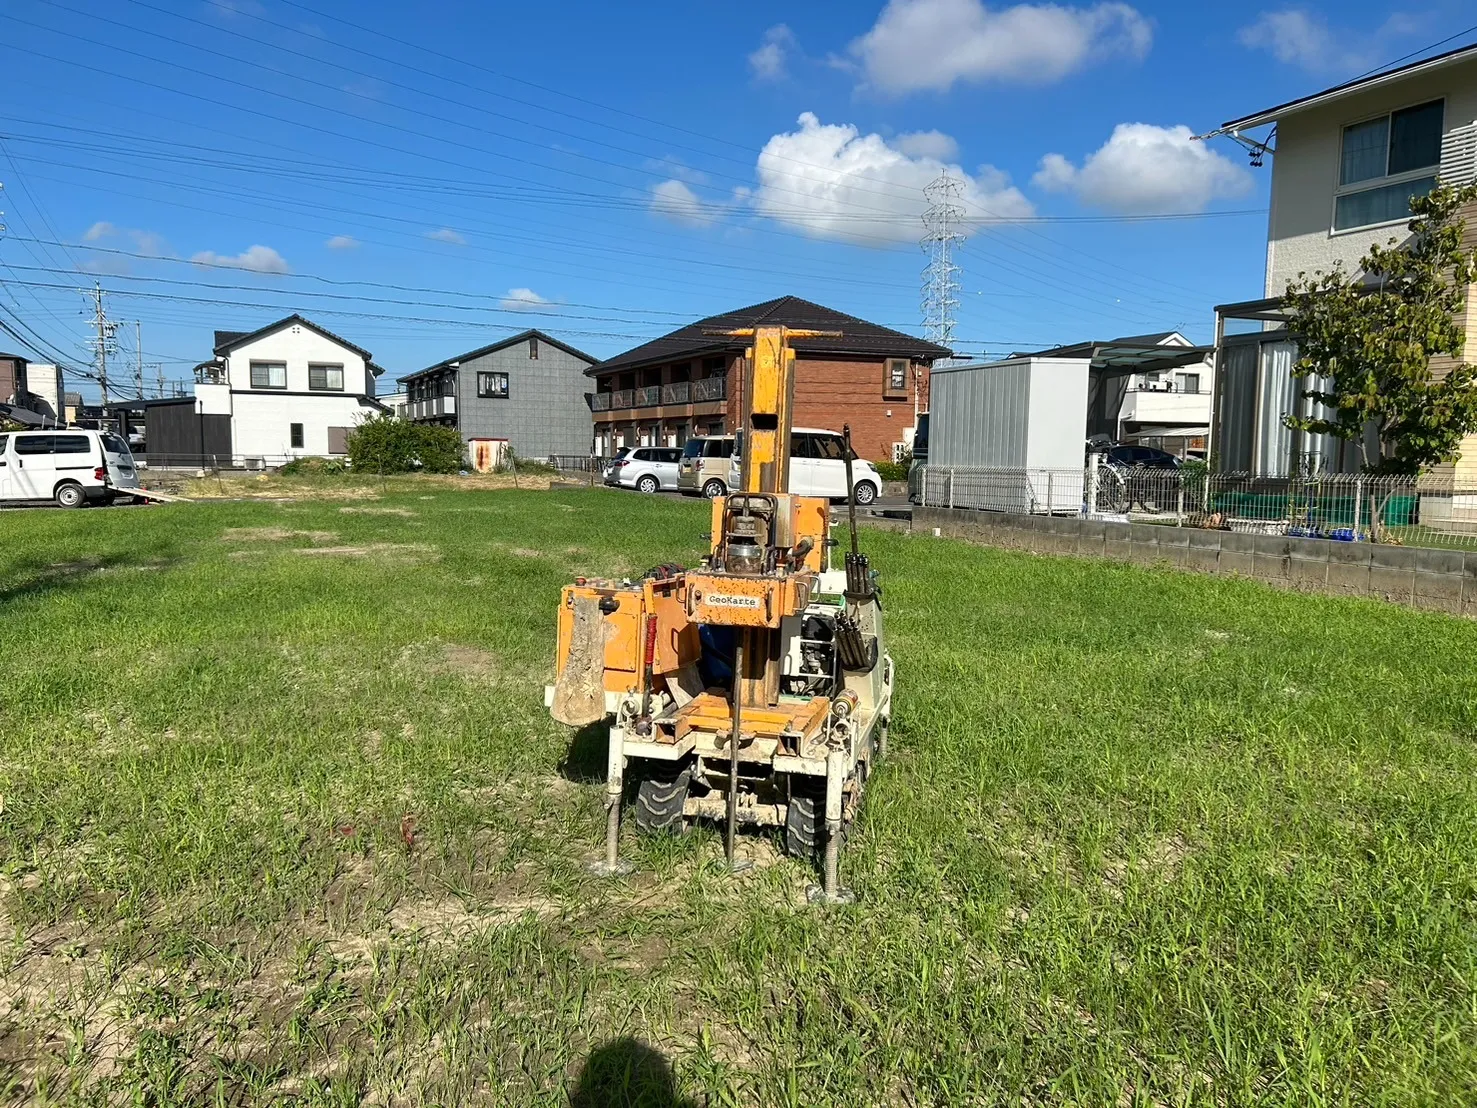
290,389
690,382
1345,163
526,391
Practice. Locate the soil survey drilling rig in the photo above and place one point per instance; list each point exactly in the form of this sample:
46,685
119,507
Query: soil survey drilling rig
755,689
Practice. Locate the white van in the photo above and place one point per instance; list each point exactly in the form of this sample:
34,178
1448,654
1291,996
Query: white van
818,467
71,467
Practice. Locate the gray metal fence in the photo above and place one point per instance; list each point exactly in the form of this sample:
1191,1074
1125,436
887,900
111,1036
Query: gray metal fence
1433,510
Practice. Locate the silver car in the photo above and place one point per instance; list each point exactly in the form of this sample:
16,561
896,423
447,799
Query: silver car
644,468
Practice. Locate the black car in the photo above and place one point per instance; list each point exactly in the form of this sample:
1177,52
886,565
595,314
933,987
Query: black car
1142,457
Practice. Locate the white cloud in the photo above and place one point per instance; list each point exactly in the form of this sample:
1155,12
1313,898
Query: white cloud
930,44
446,234
674,200
1147,170
926,144
256,259
524,300
768,63
1301,38
342,242
151,243
833,182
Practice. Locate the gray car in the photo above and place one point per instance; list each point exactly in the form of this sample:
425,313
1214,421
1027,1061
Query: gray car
644,468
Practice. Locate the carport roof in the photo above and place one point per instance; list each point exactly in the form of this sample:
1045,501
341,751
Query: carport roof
1119,357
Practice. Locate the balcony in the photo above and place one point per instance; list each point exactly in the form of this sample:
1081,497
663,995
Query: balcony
674,394
435,408
709,388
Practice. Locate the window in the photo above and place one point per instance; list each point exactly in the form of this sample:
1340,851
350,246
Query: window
718,448
1405,146
34,444
1189,382
326,378
897,375
269,375
3,440
112,443
73,444
492,386
714,365
295,435
533,348
829,448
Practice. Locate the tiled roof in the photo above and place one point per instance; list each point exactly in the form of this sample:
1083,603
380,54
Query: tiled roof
857,335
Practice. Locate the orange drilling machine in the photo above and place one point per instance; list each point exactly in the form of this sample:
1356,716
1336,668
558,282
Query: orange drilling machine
754,689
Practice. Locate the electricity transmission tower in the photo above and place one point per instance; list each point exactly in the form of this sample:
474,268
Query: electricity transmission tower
941,220
105,342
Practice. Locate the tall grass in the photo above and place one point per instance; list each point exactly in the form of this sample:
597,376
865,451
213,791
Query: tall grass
285,826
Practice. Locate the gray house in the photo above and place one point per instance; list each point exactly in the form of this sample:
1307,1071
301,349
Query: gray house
527,390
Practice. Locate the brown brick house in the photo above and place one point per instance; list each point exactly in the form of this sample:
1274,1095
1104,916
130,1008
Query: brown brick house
690,382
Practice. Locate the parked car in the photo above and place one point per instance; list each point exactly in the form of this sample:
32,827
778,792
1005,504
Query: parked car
704,466
1142,456
920,459
1138,476
72,467
645,468
818,467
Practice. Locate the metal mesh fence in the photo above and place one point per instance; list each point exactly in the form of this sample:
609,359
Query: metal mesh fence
1434,510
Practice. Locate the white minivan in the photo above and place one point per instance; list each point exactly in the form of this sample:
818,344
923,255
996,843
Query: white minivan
70,467
818,467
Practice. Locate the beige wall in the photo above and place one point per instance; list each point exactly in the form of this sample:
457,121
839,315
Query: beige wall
1306,166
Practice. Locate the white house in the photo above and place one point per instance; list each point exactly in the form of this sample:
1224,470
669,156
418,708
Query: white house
291,389
1345,163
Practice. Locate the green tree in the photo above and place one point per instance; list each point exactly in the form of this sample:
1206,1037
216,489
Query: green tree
385,444
1368,340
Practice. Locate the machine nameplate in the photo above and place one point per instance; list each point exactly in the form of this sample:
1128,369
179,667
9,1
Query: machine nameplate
727,600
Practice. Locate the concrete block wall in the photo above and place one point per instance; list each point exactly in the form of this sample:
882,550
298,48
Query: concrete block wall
1418,577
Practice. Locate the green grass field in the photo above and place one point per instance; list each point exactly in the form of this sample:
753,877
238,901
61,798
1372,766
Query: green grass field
284,821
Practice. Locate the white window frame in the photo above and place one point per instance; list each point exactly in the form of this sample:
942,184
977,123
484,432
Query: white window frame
1369,184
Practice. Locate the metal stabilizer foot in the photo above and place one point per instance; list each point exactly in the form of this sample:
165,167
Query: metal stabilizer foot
612,865
831,892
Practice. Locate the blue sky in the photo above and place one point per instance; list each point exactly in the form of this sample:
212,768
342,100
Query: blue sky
423,186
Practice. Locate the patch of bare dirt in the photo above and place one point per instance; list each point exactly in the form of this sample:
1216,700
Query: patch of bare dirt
274,534
450,919
403,512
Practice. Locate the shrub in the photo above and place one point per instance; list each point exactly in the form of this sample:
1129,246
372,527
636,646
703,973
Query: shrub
895,471
439,449
385,444
304,467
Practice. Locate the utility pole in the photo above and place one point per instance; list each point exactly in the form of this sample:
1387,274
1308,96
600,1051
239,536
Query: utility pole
941,223
105,342
140,365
